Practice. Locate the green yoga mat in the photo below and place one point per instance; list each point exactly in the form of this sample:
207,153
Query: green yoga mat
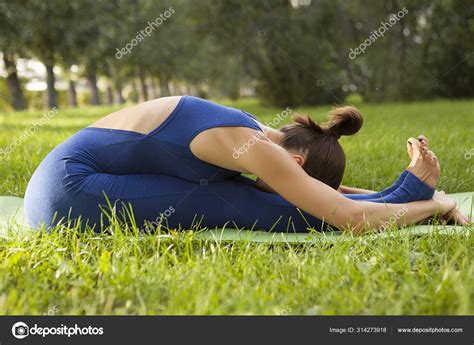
11,216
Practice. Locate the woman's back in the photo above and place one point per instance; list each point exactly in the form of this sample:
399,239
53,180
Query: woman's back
141,118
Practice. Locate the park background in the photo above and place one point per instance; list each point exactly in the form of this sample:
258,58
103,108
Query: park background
407,65
287,53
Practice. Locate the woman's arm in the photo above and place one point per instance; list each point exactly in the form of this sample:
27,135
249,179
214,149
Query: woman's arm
275,166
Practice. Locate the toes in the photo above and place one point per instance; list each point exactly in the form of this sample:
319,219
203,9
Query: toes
409,150
415,146
431,155
424,143
423,140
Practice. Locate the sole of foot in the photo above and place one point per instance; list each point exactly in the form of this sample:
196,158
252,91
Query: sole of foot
424,163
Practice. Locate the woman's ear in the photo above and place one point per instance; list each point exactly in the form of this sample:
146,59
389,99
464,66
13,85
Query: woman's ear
298,158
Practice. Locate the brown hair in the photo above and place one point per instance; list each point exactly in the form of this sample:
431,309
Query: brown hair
324,157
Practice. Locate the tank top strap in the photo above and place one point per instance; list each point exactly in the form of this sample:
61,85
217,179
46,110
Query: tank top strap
194,115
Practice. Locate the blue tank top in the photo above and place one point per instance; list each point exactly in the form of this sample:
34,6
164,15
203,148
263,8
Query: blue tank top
165,150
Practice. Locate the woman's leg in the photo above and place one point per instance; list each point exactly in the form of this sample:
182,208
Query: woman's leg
410,189
176,203
382,193
160,199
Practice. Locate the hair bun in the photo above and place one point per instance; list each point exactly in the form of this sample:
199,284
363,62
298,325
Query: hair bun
346,120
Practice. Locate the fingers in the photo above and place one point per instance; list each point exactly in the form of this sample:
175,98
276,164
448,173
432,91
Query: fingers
456,217
464,221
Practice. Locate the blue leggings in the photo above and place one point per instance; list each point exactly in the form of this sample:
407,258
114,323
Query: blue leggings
406,188
177,203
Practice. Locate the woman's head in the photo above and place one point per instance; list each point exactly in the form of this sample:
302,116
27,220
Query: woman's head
323,156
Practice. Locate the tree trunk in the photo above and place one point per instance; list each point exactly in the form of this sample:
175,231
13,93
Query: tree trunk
164,87
109,96
18,101
92,78
118,95
72,94
52,99
134,92
143,86
402,94
117,82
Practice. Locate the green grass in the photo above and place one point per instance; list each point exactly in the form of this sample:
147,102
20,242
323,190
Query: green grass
129,273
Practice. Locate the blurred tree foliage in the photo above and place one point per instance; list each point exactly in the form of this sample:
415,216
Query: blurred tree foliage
288,52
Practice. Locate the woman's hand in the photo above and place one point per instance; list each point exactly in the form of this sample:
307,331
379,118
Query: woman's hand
445,203
456,217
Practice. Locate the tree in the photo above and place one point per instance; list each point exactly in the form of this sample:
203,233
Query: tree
12,35
48,22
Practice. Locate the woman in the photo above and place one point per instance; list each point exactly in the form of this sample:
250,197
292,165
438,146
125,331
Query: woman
173,160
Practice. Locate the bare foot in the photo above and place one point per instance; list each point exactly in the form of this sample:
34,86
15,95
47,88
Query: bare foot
425,145
453,216
424,163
